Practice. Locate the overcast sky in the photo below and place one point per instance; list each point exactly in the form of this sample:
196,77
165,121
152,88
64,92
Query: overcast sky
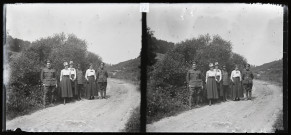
113,31
255,30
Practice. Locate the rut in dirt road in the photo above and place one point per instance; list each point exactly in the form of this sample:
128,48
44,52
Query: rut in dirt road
257,115
99,115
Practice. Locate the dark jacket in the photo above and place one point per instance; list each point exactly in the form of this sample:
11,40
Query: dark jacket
48,77
102,75
194,78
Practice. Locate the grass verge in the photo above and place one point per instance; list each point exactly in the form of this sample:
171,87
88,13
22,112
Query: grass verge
133,124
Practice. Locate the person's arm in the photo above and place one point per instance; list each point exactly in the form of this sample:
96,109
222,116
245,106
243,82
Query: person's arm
240,76
95,75
75,76
252,75
220,76
106,74
61,75
206,76
41,76
70,75
187,77
86,75
231,76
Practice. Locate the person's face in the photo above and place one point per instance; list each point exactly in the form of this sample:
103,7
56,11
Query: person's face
247,67
224,68
71,65
102,66
216,67
91,67
236,67
211,68
66,66
48,65
194,66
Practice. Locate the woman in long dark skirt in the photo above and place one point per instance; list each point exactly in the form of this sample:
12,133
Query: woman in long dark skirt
91,86
236,87
65,79
211,84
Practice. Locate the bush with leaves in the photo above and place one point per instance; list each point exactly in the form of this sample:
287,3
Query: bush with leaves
23,90
167,91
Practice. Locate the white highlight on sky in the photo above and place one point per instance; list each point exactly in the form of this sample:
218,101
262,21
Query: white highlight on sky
255,30
112,31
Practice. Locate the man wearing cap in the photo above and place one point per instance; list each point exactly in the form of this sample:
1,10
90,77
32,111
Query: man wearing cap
195,84
73,76
80,81
102,76
48,79
247,80
218,78
225,83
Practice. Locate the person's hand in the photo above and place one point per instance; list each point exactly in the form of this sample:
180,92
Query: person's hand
202,86
56,85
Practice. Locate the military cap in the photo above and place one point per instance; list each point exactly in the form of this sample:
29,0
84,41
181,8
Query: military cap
194,63
210,64
102,63
48,61
91,64
71,62
248,65
65,63
224,66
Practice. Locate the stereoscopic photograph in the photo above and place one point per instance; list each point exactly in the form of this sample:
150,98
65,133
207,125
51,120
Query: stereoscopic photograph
72,67
215,68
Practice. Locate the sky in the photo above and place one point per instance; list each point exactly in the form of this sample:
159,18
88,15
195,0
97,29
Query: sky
112,31
255,30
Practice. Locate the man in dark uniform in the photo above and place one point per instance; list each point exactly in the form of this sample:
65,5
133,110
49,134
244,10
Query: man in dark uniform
247,80
48,79
224,83
102,76
195,84
79,81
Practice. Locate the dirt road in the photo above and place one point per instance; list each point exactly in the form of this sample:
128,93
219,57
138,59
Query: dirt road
99,115
257,115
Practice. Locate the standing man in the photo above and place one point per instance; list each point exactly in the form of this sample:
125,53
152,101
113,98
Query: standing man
48,79
80,80
73,76
195,84
247,81
218,79
225,83
102,76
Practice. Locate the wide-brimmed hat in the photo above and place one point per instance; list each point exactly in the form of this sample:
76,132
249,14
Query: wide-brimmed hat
216,63
65,63
71,63
223,66
210,64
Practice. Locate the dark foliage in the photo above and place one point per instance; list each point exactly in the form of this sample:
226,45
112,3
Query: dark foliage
167,93
24,92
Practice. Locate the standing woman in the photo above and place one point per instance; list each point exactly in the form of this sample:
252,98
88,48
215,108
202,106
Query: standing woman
65,79
91,78
73,76
236,78
211,85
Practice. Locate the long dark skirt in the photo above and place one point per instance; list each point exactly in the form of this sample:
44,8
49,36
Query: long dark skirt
91,87
211,87
237,91
66,88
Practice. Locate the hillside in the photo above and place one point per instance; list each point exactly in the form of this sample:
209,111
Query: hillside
272,71
128,70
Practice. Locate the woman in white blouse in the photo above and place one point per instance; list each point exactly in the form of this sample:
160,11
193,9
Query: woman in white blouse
235,77
65,79
91,86
211,84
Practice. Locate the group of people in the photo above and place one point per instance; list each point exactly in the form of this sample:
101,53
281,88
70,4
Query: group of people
218,83
73,82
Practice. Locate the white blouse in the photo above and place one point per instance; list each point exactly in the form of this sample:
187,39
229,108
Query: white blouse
235,73
218,73
90,72
210,73
73,72
65,72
